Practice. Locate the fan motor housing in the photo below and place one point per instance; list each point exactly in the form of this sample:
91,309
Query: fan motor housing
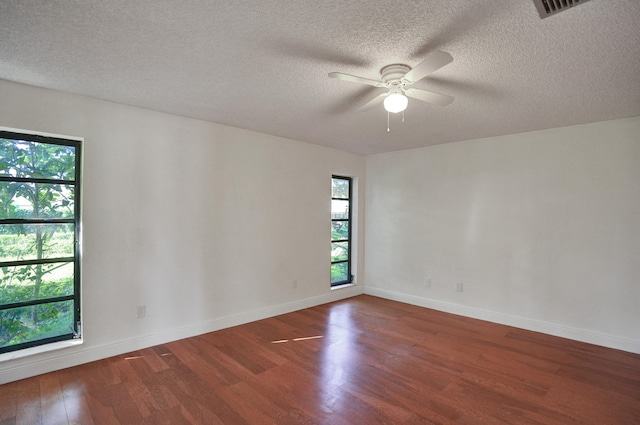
394,72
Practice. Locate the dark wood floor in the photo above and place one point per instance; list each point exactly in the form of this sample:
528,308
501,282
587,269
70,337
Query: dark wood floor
360,361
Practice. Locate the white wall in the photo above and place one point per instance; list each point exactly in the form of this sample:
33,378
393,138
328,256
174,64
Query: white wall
206,225
542,228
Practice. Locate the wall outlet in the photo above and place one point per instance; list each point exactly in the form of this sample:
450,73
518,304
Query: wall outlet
427,282
459,287
295,283
141,311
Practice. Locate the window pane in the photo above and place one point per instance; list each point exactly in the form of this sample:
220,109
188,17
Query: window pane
32,323
340,188
35,282
38,204
36,241
339,209
339,251
339,273
21,158
18,200
339,230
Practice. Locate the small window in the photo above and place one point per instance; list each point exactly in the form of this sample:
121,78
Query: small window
39,240
341,230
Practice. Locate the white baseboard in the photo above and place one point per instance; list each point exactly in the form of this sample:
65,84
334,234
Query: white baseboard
582,335
64,358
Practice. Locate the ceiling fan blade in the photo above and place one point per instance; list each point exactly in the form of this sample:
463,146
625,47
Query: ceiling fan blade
354,79
432,63
429,97
373,102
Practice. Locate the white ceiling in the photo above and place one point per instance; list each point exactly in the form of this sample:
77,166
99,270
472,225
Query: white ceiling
263,64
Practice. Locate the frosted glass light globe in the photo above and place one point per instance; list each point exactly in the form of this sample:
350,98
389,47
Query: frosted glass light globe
395,102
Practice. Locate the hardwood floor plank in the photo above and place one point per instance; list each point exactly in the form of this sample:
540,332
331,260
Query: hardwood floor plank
52,404
142,384
364,360
602,378
202,398
74,394
591,402
254,406
101,413
9,404
228,370
78,411
29,409
125,408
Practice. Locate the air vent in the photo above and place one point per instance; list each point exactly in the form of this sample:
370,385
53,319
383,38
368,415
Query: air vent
547,8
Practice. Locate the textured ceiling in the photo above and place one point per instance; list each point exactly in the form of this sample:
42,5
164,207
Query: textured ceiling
263,64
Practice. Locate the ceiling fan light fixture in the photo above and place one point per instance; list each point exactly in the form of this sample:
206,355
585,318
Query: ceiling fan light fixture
396,102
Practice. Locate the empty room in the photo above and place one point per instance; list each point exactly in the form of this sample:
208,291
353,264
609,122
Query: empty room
329,212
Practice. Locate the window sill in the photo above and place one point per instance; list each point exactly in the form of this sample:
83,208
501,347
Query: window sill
344,285
12,355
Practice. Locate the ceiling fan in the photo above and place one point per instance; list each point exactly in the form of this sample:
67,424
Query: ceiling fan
397,77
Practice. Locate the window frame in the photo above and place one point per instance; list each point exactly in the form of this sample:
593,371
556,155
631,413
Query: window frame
76,182
349,239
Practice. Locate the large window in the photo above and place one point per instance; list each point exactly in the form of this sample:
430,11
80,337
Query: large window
39,240
341,230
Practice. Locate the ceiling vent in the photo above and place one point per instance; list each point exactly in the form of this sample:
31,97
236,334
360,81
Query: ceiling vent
547,8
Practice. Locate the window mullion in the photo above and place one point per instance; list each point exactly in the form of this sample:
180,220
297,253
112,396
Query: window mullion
36,302
35,262
11,179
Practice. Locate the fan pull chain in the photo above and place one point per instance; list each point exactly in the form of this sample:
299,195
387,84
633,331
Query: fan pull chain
388,129
402,116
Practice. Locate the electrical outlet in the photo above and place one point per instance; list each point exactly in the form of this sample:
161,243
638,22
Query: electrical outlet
295,284
141,311
459,287
427,282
